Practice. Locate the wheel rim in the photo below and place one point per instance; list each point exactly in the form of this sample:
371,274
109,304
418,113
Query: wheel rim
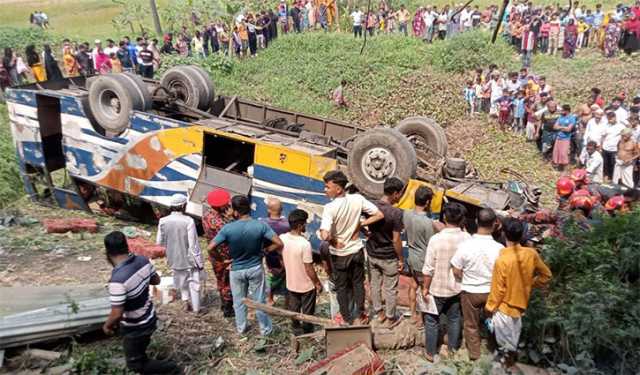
378,164
180,91
110,103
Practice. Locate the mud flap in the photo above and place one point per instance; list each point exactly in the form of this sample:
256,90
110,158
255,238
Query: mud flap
69,199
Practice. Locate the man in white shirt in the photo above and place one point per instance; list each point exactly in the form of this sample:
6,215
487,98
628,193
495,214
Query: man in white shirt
429,17
473,264
595,127
110,48
340,227
440,282
94,52
591,159
177,233
622,115
357,16
610,139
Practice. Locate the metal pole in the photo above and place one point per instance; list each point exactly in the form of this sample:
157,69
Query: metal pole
156,18
505,3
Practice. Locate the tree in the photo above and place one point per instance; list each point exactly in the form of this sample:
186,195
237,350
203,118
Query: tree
133,13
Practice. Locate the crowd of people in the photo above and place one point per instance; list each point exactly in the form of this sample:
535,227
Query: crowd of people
530,29
596,130
479,279
546,30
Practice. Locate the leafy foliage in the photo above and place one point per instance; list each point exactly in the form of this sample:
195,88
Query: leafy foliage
20,37
470,50
133,15
10,183
591,312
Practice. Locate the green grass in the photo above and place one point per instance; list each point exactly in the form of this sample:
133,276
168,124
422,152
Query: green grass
10,182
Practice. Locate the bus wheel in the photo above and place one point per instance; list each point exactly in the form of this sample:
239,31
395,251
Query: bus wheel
377,155
112,97
424,133
189,85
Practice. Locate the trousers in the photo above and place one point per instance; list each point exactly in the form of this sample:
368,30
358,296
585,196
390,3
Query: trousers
188,283
250,283
134,344
304,303
449,306
384,280
349,283
472,308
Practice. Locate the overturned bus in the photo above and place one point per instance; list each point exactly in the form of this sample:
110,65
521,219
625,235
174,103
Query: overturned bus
118,142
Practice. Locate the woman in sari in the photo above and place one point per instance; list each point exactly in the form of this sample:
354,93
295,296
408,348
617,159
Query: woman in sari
570,38
71,67
51,65
631,29
35,63
611,38
418,23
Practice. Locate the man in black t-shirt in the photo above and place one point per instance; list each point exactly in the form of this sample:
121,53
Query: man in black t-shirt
145,61
384,248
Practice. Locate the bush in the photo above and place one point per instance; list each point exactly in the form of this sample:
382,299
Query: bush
470,50
214,62
10,182
590,316
20,37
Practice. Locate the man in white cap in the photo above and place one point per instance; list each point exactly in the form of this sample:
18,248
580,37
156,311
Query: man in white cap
177,233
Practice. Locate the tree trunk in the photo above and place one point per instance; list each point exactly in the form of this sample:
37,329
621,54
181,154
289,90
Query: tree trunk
156,18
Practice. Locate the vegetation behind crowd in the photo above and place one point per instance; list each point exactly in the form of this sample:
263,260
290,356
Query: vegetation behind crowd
589,318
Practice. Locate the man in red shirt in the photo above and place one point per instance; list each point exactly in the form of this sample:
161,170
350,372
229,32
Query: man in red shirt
212,221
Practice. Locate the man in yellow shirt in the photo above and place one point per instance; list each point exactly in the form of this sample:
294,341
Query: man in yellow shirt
517,270
403,19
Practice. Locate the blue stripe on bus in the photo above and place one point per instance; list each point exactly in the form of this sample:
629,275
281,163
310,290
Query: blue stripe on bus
287,179
188,163
318,199
154,192
32,153
84,159
171,175
93,133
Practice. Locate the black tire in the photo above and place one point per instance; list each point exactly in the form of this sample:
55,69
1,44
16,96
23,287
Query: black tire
142,89
112,97
210,94
375,145
431,134
186,85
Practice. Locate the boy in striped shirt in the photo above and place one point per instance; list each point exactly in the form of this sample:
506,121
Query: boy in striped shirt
131,307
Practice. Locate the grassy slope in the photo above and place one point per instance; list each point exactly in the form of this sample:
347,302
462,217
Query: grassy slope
10,183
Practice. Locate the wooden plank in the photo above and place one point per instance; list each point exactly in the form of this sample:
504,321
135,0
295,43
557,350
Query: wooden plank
289,314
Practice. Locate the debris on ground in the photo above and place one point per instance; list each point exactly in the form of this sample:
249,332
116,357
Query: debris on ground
140,246
36,314
75,225
355,360
10,218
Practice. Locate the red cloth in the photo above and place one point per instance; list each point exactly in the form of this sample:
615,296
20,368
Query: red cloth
633,25
74,225
146,248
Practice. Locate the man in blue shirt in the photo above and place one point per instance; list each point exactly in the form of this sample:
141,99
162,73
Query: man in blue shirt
131,307
245,238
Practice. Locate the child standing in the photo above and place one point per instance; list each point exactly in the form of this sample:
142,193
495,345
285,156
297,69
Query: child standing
478,89
519,112
504,104
530,126
470,97
338,95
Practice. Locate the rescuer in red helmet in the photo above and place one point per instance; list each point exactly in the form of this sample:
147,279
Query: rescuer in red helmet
213,220
564,188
